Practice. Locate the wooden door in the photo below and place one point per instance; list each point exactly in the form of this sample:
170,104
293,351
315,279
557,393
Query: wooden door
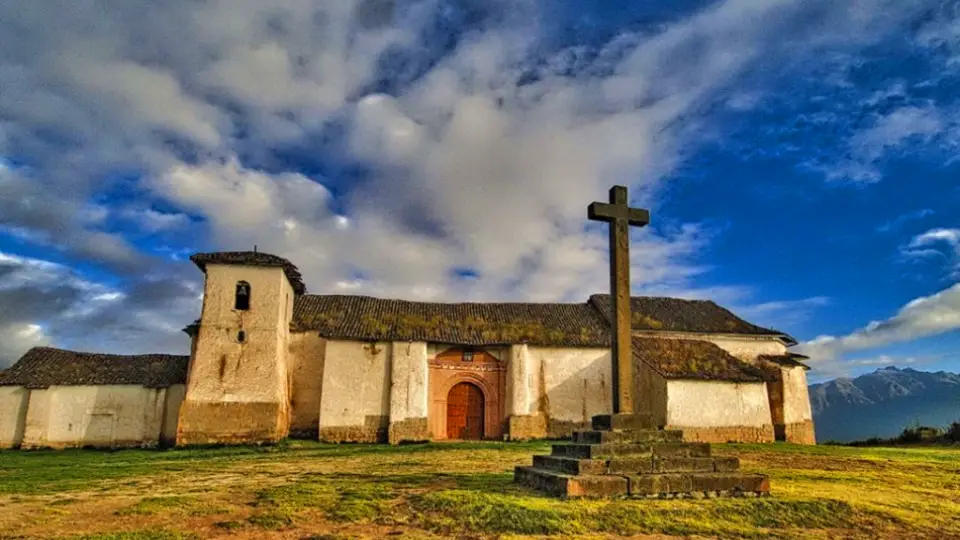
465,412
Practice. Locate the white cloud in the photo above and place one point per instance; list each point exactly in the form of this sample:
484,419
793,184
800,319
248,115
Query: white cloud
943,243
922,317
481,156
900,220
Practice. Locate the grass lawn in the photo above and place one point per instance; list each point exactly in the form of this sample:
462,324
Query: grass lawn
310,490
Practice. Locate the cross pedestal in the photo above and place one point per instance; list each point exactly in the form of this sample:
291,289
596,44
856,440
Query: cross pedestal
625,454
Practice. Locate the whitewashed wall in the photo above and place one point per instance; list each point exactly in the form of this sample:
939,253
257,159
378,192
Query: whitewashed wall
796,396
307,356
13,414
173,398
116,415
717,404
355,401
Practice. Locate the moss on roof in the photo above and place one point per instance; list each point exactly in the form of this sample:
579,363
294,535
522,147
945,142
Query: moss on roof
583,324
696,360
41,367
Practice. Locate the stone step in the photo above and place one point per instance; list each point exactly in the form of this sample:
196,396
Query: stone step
571,486
615,450
692,484
729,483
627,436
569,465
622,421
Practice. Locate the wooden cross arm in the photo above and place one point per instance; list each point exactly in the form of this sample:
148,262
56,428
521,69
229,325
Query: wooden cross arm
599,211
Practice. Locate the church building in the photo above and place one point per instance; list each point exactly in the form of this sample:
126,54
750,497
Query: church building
269,361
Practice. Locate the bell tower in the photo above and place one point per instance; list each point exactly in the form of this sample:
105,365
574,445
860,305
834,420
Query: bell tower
237,390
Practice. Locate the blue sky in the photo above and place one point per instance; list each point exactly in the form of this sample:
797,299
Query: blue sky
797,158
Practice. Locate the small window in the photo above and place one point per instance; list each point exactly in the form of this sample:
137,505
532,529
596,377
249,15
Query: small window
241,336
242,298
468,356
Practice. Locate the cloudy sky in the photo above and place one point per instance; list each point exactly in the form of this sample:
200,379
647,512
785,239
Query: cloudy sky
797,156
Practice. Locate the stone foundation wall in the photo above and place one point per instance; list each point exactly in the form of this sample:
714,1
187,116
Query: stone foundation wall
526,427
231,423
799,433
374,429
409,430
747,434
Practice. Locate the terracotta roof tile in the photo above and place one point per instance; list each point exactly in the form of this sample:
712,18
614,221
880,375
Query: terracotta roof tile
695,359
41,367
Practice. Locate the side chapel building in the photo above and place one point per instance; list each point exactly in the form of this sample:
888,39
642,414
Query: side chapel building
269,361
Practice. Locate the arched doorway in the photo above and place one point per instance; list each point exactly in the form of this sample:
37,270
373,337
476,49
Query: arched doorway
465,412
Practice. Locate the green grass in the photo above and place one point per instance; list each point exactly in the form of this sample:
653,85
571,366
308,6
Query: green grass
308,489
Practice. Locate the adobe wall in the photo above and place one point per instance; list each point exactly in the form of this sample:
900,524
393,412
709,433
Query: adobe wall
355,402
13,415
103,416
239,389
718,412
554,391
307,354
797,413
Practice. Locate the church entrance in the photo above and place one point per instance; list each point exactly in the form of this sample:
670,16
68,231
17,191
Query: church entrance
465,412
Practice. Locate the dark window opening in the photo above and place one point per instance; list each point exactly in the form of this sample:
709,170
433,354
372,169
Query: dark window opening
468,356
241,336
242,298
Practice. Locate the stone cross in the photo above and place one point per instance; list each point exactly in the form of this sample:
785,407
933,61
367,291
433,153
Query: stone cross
620,216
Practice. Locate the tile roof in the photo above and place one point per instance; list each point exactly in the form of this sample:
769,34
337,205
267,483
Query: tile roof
252,258
681,315
695,359
583,324
41,367
787,360
367,318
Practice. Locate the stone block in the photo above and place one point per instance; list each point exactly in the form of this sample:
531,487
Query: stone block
628,436
526,427
409,430
622,421
597,486
681,450
726,464
683,464
638,465
203,422
650,484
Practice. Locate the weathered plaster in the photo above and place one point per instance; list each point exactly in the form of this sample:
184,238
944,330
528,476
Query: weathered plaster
307,354
797,413
104,416
355,402
652,393
409,392
171,413
710,411
571,386
13,415
232,382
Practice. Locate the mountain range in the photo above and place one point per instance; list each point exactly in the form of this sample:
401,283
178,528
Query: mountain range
882,403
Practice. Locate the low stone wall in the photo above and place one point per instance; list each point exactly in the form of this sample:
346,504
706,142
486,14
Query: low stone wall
747,434
373,430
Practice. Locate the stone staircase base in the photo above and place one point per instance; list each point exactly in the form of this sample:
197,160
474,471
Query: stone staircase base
626,456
